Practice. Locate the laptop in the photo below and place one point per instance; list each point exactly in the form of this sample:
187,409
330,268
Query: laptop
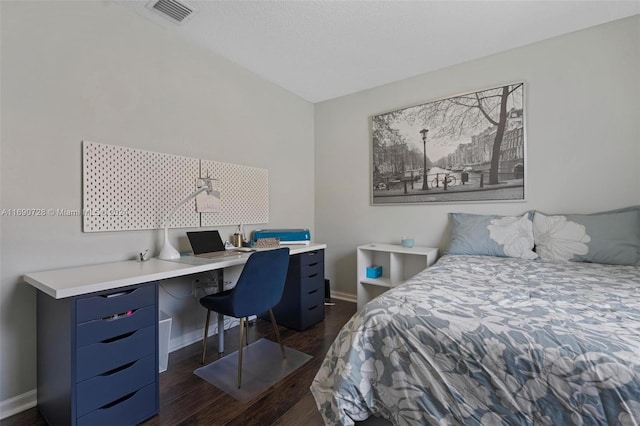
208,244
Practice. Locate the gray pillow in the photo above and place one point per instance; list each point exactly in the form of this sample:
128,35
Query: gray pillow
611,237
492,235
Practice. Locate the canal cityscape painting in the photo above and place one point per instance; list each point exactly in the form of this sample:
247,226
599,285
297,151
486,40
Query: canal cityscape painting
469,147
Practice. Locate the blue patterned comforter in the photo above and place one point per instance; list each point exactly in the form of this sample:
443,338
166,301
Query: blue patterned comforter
491,341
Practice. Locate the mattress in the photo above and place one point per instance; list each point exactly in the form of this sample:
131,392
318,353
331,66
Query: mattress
479,340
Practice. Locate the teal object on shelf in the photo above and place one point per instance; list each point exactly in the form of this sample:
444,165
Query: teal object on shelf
407,242
374,271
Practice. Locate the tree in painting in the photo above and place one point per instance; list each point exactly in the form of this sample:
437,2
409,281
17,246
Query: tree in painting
490,105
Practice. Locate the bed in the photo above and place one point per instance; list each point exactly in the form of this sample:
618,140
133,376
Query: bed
488,340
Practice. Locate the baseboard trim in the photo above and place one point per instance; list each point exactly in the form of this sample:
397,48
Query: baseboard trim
17,404
347,297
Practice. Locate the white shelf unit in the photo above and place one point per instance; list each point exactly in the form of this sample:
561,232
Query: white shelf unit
398,265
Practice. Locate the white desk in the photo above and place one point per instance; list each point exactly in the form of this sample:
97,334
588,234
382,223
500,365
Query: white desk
62,283
97,335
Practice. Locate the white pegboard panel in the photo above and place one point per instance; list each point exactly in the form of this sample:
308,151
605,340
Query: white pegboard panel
127,189
244,194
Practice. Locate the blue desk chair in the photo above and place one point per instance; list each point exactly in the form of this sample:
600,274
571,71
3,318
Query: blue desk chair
259,288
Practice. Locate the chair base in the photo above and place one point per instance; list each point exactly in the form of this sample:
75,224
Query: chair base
244,323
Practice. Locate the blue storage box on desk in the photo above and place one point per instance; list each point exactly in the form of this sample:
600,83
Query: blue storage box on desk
286,236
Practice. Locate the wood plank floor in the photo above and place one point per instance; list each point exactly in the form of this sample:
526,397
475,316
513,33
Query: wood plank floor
185,399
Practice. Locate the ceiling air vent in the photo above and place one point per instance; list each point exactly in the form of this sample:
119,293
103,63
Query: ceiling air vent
177,11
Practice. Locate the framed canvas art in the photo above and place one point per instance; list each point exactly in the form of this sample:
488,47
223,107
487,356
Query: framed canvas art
469,147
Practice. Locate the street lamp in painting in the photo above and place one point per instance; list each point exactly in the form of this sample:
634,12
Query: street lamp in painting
424,132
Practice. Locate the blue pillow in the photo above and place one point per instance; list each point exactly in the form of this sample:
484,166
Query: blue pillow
611,237
492,235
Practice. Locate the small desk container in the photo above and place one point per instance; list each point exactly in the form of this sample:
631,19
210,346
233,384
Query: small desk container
374,271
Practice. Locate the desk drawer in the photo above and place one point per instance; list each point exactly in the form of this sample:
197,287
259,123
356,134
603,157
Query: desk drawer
102,329
309,272
99,391
114,303
107,355
311,282
309,257
311,265
311,314
312,302
129,410
312,295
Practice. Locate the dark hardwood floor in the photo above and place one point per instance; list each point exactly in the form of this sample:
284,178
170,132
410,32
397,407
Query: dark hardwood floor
185,399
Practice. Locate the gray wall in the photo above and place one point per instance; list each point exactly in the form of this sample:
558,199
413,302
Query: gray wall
74,71
582,98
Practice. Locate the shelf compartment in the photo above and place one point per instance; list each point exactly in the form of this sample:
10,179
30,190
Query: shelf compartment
398,265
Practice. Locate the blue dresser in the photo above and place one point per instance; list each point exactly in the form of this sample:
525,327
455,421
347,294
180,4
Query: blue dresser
302,303
98,357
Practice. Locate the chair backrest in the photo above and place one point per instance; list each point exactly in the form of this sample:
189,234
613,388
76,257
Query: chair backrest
261,282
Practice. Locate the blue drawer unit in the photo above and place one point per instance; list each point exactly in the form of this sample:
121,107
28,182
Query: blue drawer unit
302,303
98,357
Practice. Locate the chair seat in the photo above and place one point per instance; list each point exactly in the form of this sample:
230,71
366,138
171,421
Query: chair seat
220,302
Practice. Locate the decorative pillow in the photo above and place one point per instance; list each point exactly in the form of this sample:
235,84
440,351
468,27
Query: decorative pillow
491,235
607,237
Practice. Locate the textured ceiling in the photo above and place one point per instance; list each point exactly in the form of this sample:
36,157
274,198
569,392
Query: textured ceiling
321,50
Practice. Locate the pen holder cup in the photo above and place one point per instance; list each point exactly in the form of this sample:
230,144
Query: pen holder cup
236,240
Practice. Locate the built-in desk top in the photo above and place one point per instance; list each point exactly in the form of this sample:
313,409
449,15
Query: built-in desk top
77,281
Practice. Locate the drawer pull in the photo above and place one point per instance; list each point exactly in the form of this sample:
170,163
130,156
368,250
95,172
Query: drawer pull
312,275
312,253
120,315
115,339
118,401
313,291
115,370
122,293
313,264
313,307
